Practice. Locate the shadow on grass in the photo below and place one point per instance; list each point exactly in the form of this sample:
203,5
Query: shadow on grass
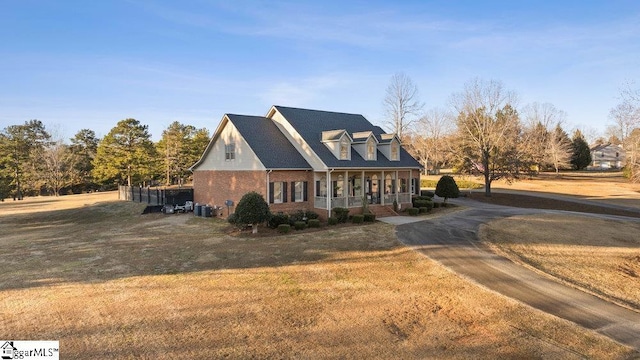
112,240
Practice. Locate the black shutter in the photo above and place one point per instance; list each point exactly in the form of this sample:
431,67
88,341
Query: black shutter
284,191
393,186
304,191
270,193
293,191
334,188
317,187
417,187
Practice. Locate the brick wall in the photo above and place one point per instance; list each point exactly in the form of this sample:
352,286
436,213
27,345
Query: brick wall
215,187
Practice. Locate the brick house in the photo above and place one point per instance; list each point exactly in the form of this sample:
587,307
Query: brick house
301,159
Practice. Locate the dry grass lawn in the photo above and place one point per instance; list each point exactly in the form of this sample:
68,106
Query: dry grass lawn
601,256
111,283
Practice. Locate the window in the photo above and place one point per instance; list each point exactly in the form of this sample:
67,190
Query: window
277,192
344,148
298,191
371,150
395,150
229,151
321,187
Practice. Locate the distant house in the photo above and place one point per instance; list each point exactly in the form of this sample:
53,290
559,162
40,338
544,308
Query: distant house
301,159
607,156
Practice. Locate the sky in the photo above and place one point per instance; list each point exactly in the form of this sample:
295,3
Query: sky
88,64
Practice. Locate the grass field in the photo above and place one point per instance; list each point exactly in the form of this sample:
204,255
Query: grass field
108,282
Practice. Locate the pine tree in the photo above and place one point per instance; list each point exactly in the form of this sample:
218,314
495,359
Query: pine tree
581,157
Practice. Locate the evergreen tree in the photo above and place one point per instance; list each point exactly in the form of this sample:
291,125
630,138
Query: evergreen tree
447,188
84,146
252,209
125,155
20,149
581,157
179,148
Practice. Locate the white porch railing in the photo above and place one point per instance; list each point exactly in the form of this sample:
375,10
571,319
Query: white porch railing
320,202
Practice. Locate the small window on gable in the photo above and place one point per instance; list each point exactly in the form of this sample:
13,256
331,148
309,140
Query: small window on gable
229,151
344,148
371,150
395,151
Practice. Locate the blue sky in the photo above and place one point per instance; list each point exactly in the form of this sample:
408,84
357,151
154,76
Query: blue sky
88,64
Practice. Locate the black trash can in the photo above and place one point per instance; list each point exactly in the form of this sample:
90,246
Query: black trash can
207,211
197,210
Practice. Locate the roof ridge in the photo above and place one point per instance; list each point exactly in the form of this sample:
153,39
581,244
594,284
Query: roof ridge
315,110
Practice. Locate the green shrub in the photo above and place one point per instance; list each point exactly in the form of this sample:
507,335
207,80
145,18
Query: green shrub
297,216
423,210
232,219
252,209
314,223
300,225
447,188
369,217
277,219
427,193
332,221
312,215
422,203
342,214
413,211
357,219
436,205
284,228
395,206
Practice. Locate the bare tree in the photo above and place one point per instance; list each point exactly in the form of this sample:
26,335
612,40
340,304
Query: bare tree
626,117
430,131
401,103
488,126
558,149
543,135
58,166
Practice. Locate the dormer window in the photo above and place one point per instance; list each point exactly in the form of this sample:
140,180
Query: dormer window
344,148
395,151
371,149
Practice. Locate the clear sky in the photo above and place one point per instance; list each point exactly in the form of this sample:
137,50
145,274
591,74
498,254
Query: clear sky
88,64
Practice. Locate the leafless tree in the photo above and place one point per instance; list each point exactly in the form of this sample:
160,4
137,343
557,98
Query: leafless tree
626,117
430,132
401,103
558,149
488,126
58,166
548,144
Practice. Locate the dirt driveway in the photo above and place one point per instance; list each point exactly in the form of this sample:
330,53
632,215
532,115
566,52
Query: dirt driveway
452,240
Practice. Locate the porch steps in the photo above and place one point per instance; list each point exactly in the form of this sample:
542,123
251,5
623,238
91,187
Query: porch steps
382,211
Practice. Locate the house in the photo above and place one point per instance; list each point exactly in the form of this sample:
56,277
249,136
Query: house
7,350
301,159
607,156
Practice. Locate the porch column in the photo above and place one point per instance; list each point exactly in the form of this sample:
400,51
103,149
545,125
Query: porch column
396,189
345,188
329,193
382,192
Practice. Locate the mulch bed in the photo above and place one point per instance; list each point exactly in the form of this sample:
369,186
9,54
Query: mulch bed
534,202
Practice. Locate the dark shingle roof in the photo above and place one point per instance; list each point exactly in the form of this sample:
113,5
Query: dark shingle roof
270,145
311,123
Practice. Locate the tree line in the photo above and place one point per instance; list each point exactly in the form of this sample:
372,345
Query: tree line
483,131
33,162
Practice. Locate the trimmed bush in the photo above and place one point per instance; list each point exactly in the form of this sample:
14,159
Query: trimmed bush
427,193
413,211
422,203
284,228
332,221
312,215
300,225
232,219
447,188
357,219
277,219
314,223
369,217
342,214
423,210
252,209
436,205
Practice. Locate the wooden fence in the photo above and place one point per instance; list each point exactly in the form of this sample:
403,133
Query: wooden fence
155,196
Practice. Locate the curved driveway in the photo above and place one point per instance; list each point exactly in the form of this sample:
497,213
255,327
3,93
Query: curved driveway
452,240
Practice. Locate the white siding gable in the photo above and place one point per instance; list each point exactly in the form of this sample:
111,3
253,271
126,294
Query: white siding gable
363,148
391,149
215,157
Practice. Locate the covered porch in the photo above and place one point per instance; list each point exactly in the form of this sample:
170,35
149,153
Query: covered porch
356,188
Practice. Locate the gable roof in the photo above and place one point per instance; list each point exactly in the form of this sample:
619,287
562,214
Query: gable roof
310,124
268,143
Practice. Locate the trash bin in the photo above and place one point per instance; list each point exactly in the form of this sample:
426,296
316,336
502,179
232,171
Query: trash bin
207,211
197,210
